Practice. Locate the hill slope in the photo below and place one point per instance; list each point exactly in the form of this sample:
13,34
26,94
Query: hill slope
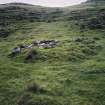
70,73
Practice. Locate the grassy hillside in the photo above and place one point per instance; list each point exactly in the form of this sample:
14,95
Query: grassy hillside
72,73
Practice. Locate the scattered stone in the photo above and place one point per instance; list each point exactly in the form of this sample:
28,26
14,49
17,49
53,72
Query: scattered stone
22,46
45,43
15,51
29,46
35,43
31,56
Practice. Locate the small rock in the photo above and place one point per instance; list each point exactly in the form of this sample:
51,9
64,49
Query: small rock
31,56
15,51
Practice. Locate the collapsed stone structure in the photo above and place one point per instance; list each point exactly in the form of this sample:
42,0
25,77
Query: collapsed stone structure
40,44
46,43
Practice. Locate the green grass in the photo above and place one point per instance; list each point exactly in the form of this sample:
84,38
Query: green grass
73,73
77,82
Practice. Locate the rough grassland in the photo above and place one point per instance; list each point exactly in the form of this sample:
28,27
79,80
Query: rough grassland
72,73
80,81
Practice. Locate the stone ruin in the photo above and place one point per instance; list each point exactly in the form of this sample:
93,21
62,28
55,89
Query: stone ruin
46,43
15,51
40,44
